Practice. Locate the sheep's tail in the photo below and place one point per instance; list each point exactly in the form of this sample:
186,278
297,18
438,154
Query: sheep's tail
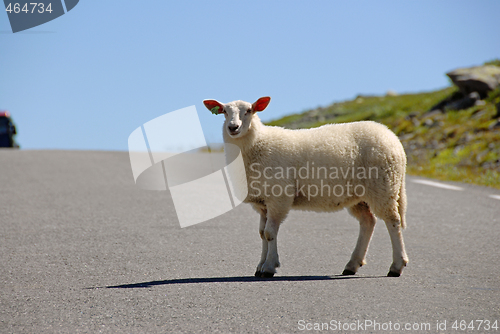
402,202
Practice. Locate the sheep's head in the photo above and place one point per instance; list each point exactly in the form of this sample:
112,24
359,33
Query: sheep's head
238,114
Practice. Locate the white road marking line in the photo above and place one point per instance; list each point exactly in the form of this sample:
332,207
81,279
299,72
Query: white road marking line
495,196
437,184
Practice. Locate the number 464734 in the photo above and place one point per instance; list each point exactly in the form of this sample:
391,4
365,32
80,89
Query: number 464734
475,324
33,7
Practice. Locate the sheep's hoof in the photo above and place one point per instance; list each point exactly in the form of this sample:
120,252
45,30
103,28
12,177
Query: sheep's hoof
258,274
393,274
347,272
266,275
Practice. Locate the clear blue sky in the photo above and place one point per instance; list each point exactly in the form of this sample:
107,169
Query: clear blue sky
89,78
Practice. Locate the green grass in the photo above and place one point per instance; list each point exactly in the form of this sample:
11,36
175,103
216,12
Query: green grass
495,62
286,120
450,146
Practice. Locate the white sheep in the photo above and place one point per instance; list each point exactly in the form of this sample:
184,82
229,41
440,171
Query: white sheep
360,166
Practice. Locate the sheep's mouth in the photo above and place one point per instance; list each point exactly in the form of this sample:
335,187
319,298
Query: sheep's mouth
234,133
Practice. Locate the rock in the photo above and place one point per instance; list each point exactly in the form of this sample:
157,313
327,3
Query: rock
495,125
412,115
457,149
479,113
407,136
481,79
313,113
464,103
433,113
442,104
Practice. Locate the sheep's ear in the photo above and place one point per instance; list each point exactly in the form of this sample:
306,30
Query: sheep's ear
261,103
214,106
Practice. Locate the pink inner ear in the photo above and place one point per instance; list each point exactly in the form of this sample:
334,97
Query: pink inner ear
261,103
210,104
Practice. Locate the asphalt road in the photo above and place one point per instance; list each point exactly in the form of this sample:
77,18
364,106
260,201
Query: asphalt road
83,250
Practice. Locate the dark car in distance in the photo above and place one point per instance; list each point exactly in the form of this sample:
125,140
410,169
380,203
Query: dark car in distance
7,130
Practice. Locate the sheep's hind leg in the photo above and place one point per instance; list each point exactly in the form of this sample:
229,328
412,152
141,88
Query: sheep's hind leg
366,226
400,259
262,226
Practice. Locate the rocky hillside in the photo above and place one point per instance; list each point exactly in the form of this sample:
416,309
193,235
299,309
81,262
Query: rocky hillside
450,134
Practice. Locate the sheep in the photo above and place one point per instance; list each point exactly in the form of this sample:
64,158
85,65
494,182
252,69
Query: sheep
369,156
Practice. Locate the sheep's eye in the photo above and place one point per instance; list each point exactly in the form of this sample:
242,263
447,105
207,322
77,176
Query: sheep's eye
249,110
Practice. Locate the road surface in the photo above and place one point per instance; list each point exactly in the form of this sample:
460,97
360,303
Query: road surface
83,250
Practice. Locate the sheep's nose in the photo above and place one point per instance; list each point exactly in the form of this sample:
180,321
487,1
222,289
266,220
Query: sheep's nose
232,127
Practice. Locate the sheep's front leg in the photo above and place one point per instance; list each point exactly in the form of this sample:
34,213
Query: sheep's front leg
262,226
272,259
399,257
274,219
366,226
